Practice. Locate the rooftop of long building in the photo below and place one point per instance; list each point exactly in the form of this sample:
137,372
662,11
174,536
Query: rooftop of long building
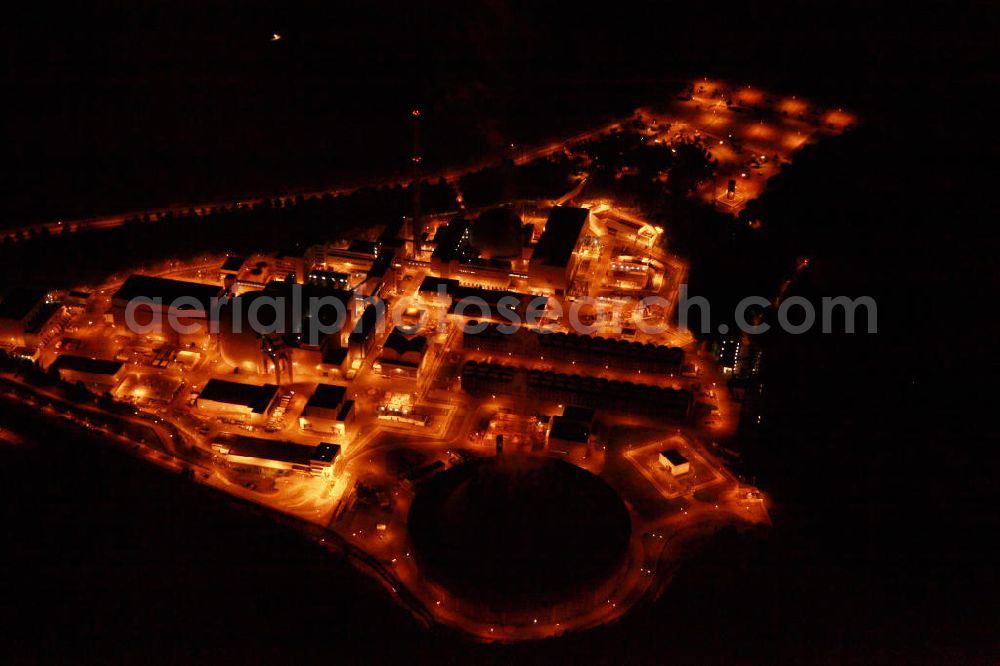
166,290
256,397
93,366
562,230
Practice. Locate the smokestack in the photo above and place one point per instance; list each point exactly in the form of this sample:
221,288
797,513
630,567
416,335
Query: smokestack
417,180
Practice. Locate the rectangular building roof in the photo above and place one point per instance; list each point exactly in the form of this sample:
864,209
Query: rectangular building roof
430,285
498,300
674,456
326,452
233,264
562,230
329,396
93,366
361,246
166,290
266,449
569,430
257,398
41,316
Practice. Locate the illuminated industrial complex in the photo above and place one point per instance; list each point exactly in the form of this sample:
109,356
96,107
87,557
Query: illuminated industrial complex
521,469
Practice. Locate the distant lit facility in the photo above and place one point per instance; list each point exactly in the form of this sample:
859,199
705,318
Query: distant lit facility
515,429
328,411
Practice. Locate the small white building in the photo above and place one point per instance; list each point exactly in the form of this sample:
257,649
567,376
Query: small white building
674,462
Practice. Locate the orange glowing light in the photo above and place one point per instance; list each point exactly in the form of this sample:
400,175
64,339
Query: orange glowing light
838,118
792,106
760,131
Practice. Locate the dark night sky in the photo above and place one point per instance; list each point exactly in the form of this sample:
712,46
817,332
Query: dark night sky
109,108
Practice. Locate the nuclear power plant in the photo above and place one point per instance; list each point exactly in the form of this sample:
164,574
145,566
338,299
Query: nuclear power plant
492,408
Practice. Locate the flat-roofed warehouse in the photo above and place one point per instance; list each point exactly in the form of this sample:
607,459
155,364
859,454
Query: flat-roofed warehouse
551,262
278,455
25,317
190,302
437,290
325,402
249,402
573,428
469,302
95,372
327,410
230,269
324,457
568,432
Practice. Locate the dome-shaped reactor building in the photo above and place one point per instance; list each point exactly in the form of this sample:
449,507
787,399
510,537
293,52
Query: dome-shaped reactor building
511,535
260,330
240,345
497,234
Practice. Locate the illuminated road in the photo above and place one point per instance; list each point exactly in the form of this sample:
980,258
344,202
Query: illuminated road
788,125
450,174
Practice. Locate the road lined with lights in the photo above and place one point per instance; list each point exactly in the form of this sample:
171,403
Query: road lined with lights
791,123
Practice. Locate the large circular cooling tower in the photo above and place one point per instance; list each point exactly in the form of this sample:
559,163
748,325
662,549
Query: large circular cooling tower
515,531
496,233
